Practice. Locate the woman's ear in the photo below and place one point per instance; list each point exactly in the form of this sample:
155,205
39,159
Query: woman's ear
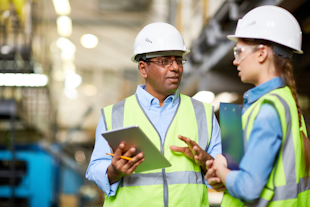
143,67
263,52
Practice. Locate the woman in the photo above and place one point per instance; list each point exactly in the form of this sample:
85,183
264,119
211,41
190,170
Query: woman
275,167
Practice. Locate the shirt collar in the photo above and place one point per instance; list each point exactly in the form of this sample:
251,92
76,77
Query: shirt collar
255,93
147,100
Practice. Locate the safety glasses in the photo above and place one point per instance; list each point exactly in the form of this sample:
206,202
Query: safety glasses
168,62
240,51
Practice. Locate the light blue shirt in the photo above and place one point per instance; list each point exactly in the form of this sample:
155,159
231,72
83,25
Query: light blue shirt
263,146
161,118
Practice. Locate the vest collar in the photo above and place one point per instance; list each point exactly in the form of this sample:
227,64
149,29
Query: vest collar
147,100
255,93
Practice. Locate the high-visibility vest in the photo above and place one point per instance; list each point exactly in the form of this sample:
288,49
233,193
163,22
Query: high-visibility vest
286,186
182,184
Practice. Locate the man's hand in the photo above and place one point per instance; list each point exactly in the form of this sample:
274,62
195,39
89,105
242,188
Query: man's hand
121,167
193,151
211,177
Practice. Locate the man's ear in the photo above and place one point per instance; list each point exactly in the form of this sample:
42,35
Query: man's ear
263,53
143,67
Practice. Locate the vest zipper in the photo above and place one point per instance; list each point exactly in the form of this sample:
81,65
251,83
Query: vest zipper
165,183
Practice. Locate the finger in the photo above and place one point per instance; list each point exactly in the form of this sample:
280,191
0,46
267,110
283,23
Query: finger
209,164
213,180
189,143
131,162
133,167
185,139
119,151
221,189
178,149
217,186
211,172
130,152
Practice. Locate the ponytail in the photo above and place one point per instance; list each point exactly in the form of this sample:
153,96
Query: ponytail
285,68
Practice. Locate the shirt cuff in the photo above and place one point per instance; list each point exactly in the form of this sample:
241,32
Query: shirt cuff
230,182
110,188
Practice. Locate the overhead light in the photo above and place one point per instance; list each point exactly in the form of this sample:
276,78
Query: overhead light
67,48
65,45
64,26
71,93
224,97
6,14
204,96
21,79
73,80
5,49
89,41
62,7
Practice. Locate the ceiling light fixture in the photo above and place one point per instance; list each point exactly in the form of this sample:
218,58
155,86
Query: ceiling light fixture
64,26
21,79
62,7
89,41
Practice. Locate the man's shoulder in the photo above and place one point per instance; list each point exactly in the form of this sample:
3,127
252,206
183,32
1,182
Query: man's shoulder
121,101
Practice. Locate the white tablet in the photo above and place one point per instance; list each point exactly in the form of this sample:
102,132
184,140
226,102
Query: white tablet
133,136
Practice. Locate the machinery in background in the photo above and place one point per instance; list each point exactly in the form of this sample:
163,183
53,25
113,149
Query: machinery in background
33,171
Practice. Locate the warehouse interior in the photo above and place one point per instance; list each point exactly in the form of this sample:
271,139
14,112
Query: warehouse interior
60,65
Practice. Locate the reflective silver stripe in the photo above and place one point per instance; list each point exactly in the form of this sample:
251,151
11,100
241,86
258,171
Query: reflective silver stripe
302,185
118,114
290,191
201,120
288,154
258,203
245,138
183,177
104,121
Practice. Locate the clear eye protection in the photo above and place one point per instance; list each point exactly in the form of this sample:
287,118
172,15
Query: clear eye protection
240,54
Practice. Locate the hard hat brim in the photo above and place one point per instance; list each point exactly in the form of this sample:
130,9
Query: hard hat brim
235,39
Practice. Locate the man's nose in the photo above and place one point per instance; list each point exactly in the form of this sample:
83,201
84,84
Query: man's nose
174,65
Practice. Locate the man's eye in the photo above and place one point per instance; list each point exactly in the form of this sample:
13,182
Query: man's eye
165,62
179,61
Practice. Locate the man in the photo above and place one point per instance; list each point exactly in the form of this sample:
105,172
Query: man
184,130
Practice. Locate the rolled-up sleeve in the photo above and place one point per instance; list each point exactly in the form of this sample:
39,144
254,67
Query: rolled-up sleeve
99,163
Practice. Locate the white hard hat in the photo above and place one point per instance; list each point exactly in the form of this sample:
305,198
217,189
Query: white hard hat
270,23
158,37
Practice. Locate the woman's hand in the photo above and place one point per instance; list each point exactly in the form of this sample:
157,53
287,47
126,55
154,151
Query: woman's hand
220,161
211,177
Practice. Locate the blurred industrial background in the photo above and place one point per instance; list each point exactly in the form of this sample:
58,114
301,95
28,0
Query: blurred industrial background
61,61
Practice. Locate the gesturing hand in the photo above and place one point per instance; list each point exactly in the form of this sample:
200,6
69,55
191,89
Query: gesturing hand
193,151
120,167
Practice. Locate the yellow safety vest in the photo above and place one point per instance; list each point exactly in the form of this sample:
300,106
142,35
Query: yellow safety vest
182,184
286,185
